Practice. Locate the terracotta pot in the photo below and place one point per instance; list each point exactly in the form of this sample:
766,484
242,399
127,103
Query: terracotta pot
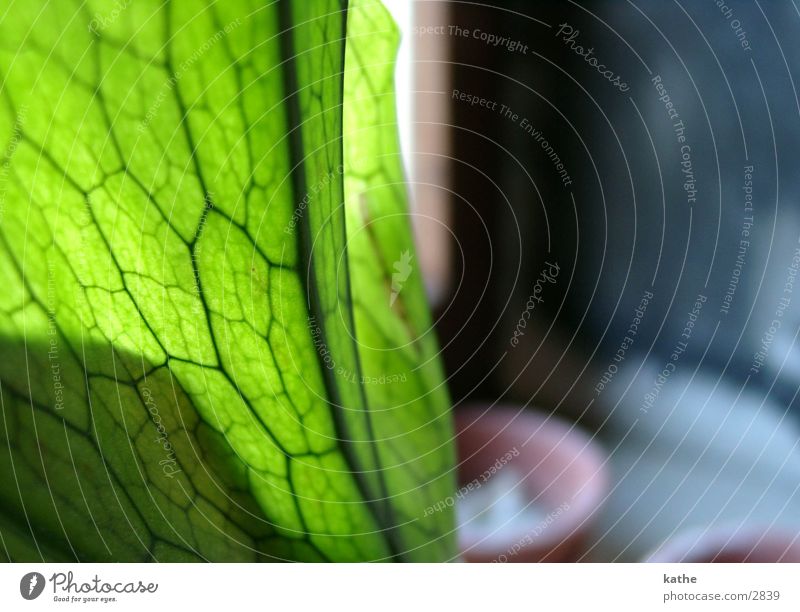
560,469
730,545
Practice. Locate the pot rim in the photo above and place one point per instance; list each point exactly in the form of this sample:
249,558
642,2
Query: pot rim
568,445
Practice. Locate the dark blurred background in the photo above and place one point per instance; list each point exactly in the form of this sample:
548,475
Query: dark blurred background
625,224
670,330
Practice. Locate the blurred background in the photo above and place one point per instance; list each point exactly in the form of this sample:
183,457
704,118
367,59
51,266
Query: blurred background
605,196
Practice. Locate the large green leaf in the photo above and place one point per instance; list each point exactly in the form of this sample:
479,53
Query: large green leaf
214,343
